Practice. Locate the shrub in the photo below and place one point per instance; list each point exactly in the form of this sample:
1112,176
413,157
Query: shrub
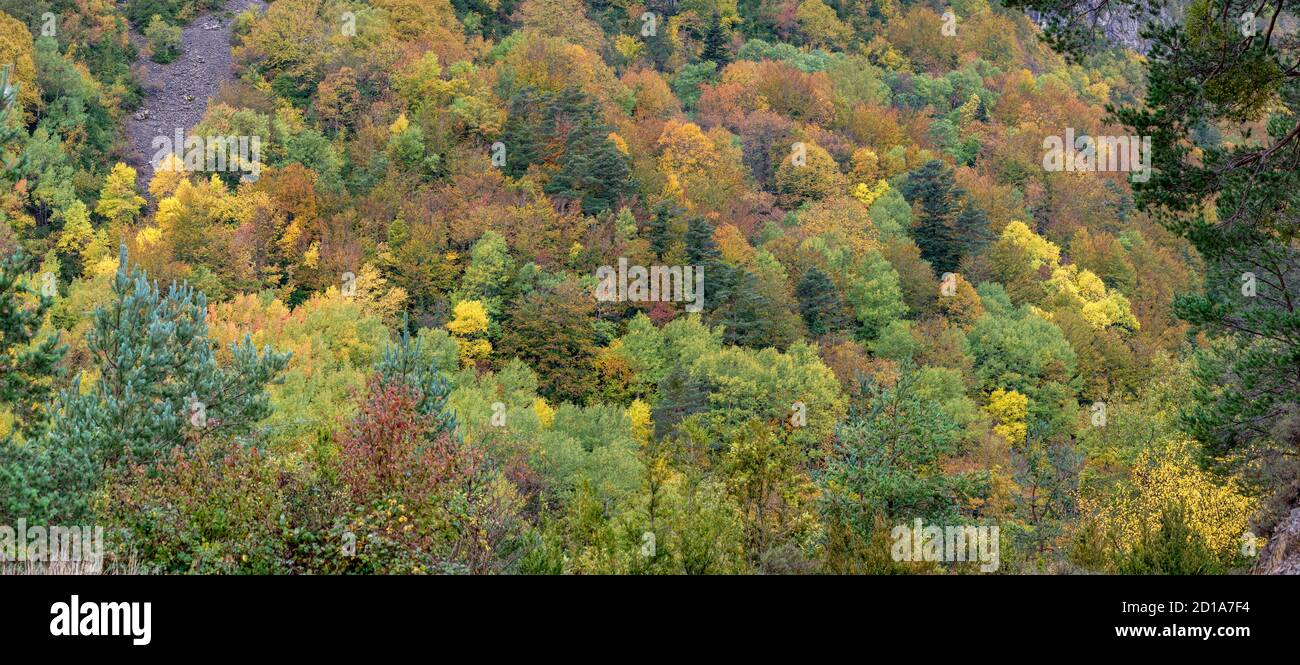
164,39
214,509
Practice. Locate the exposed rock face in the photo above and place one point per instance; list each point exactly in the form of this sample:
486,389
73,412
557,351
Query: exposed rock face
177,93
1281,556
1122,30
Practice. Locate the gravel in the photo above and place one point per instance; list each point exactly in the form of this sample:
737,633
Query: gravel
176,94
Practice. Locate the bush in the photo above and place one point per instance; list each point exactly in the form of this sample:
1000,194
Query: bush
164,39
214,509
1175,548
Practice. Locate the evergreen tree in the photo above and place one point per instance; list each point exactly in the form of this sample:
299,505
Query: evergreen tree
933,190
10,132
973,231
703,253
885,461
661,239
715,44
564,130
680,396
405,363
743,311
159,388
25,369
592,170
520,134
819,303
701,248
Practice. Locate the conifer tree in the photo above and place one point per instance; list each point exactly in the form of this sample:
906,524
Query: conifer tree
819,303
932,189
404,362
715,43
159,387
10,131
680,395
24,368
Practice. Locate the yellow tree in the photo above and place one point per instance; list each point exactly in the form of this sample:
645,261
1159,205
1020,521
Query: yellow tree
78,236
566,19
469,326
1010,411
1163,480
820,26
170,173
808,173
16,52
700,170
119,203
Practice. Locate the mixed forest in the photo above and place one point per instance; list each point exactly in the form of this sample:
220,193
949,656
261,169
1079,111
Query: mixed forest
383,354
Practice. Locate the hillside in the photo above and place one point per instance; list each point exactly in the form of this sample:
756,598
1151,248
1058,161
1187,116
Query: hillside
707,286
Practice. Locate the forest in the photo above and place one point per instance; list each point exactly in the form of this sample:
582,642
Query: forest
654,286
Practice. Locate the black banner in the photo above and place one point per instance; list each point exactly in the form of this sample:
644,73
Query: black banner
928,616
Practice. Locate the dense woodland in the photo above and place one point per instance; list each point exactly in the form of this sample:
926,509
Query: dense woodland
383,355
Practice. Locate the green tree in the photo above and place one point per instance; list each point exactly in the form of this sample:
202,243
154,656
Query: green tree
159,388
164,39
10,131
592,170
819,303
933,192
487,277
875,295
885,462
715,44
25,364
551,331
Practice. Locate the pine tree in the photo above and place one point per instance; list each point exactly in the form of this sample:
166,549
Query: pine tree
701,248
703,253
404,363
885,459
520,134
680,396
715,44
819,303
24,369
159,388
743,311
661,238
934,190
973,231
592,170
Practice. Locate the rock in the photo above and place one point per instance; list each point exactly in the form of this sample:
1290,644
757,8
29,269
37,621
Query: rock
1281,556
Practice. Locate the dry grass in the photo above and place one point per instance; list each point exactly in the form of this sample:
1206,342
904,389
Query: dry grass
107,567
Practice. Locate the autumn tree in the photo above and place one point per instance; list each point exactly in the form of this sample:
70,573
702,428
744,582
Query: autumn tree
551,331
